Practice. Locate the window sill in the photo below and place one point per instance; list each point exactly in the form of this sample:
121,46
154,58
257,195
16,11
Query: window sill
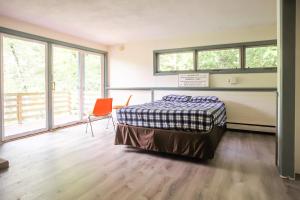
225,71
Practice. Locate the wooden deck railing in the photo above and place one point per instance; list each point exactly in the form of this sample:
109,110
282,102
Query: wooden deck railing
22,106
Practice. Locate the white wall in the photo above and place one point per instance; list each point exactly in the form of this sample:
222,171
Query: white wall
136,59
131,65
37,30
297,117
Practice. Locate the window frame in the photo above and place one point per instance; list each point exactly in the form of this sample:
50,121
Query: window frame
219,49
242,54
254,46
175,53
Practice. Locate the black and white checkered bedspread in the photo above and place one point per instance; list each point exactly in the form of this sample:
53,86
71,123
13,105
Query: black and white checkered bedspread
162,114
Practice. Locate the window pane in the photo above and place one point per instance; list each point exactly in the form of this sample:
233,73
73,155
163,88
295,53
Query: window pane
219,59
261,57
24,63
93,81
66,89
176,61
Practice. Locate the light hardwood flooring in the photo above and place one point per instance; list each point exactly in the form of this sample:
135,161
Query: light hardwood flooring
68,164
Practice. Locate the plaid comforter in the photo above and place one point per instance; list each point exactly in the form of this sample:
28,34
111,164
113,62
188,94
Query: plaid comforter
162,114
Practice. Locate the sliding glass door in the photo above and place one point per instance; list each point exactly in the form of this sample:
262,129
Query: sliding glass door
65,86
77,83
92,81
39,93
23,79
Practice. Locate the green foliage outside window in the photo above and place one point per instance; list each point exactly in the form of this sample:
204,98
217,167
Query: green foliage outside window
65,69
25,61
92,72
218,59
176,61
254,57
261,57
23,65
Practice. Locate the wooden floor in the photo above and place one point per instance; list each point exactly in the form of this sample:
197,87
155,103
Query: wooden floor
67,164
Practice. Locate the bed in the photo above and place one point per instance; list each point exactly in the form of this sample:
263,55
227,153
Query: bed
177,124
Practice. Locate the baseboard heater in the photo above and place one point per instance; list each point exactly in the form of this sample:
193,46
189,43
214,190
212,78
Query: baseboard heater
251,127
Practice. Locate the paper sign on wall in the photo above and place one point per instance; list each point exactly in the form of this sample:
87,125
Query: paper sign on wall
193,80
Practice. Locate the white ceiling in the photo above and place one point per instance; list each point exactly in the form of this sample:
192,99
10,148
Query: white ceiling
121,21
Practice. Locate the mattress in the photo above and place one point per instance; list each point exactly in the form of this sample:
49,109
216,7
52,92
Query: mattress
188,116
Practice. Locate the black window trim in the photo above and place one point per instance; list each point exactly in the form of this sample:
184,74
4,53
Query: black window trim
241,46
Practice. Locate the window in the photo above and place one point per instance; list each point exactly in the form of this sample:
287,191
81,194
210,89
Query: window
218,59
251,57
261,57
176,61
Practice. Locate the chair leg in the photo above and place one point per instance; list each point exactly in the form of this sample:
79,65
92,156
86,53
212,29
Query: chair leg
112,119
107,123
86,127
90,122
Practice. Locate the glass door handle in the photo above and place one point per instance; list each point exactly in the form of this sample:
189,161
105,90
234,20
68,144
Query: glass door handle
53,86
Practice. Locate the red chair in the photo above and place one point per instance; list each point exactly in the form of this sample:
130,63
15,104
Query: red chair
102,108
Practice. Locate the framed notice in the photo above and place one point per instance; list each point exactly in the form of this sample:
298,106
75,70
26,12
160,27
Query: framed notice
193,80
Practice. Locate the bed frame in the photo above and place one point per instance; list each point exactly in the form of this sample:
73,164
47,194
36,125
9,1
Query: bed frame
186,143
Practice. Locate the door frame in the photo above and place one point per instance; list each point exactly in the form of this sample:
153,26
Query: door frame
286,108
1,92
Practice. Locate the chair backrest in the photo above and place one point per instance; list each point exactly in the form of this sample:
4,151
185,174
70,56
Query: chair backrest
128,100
103,107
